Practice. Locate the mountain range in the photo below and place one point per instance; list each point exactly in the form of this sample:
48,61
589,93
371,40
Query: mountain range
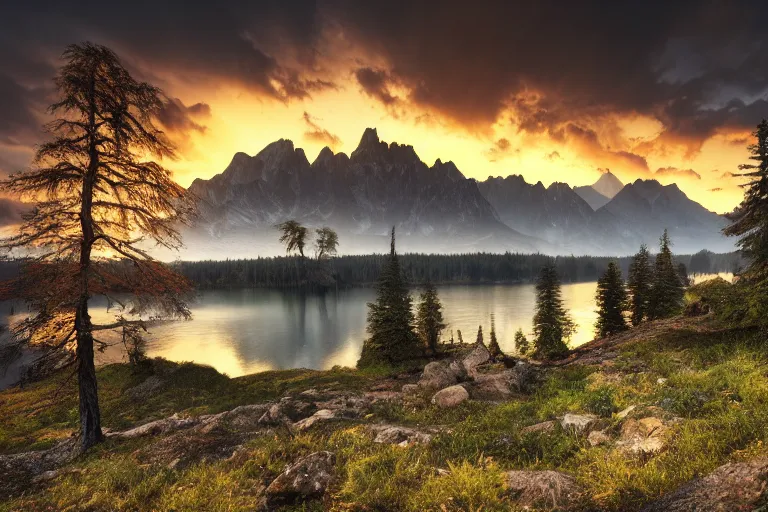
435,208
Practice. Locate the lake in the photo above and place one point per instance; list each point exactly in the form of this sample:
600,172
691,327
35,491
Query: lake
246,331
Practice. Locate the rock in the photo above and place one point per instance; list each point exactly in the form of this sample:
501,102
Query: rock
478,356
319,416
309,477
623,414
543,427
545,490
402,436
501,385
661,381
450,396
598,437
383,396
410,389
734,486
646,436
491,386
437,376
459,370
578,423
157,427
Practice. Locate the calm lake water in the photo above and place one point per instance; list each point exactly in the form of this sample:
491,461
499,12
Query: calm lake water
245,331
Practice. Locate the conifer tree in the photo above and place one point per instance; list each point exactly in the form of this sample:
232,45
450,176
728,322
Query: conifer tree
750,219
552,326
493,344
750,224
461,339
390,318
611,302
666,297
521,342
101,196
639,283
429,317
479,339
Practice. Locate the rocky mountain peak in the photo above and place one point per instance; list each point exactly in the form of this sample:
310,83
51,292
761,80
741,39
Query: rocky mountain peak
608,184
449,169
369,143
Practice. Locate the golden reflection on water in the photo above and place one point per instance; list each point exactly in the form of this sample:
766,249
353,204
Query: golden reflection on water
246,331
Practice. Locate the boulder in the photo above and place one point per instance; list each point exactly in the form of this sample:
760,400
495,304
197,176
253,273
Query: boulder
319,416
410,389
401,436
646,436
579,423
598,437
734,486
309,477
540,428
544,490
491,386
450,396
438,375
479,355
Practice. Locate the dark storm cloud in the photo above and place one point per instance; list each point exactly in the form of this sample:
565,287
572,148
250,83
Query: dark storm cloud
556,67
316,133
175,116
376,83
698,67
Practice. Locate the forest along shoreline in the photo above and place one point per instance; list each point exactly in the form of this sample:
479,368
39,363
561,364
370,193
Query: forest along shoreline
441,269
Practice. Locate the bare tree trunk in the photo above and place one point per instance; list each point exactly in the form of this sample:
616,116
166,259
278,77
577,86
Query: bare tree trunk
90,416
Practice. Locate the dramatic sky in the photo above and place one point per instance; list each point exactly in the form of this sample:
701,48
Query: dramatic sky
555,91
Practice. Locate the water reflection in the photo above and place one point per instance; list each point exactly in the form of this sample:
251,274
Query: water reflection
245,331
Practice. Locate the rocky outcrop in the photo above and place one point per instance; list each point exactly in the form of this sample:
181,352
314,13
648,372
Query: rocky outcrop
646,436
401,436
732,487
502,385
308,477
320,416
479,355
579,423
450,396
438,375
543,490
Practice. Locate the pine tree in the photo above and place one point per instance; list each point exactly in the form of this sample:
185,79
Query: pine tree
461,339
639,283
612,301
479,339
102,196
750,220
552,326
750,224
390,318
521,342
429,317
493,344
667,292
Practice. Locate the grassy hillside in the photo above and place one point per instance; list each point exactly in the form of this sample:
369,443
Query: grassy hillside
708,382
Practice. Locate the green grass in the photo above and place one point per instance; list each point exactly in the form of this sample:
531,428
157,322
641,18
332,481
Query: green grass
717,385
